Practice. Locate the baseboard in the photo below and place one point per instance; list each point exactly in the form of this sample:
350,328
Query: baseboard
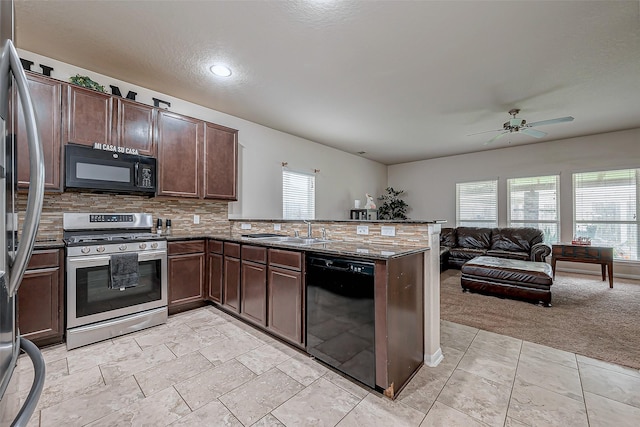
433,360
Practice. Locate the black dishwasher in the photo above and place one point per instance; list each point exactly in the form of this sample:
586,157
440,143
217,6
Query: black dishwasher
340,315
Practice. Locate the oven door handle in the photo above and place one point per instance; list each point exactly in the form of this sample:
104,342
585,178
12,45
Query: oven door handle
92,261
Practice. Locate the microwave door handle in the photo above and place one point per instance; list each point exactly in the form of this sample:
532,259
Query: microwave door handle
135,174
11,61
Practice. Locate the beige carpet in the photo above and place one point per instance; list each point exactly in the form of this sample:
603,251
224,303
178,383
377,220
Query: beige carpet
587,317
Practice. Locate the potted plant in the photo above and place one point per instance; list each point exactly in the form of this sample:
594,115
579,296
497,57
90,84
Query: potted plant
392,206
85,81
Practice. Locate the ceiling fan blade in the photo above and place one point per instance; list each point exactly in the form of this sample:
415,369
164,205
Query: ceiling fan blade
533,132
486,131
552,121
500,135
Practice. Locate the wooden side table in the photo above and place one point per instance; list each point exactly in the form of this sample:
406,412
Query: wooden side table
589,254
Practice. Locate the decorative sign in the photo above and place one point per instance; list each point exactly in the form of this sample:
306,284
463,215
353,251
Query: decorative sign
115,91
114,148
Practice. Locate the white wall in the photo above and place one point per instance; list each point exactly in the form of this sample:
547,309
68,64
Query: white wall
343,177
430,185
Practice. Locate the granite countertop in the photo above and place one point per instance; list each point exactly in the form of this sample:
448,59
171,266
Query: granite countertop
48,244
333,247
384,221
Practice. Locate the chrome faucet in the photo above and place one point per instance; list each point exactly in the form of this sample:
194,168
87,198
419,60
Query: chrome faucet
308,227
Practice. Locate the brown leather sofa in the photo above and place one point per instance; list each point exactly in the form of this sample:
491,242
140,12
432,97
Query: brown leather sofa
461,244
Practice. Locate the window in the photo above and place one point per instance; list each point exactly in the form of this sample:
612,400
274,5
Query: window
477,204
606,210
298,195
533,202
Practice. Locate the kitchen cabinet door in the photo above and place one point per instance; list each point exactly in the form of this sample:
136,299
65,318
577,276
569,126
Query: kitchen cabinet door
220,162
285,304
179,143
88,116
46,94
186,281
134,126
40,299
231,291
254,292
216,267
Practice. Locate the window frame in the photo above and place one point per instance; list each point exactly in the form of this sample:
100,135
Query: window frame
463,222
309,212
636,221
523,223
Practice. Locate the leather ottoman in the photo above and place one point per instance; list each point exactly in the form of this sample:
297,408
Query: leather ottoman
526,280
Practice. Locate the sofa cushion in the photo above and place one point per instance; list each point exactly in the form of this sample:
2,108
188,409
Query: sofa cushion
515,239
473,237
448,237
524,256
466,253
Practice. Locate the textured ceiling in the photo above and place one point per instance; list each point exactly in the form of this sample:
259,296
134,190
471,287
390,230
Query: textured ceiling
401,81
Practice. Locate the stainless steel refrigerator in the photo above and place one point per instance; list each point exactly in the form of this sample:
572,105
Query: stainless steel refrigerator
16,245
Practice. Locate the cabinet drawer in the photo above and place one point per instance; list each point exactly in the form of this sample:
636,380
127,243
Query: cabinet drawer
215,246
186,247
44,259
286,259
232,249
254,253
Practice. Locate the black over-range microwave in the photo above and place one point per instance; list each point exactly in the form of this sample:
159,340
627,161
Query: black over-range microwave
106,168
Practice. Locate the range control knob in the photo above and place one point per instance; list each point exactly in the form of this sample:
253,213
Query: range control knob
142,246
122,247
154,245
100,249
85,250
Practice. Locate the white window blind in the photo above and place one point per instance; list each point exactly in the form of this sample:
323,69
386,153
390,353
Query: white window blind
606,210
534,202
298,195
477,204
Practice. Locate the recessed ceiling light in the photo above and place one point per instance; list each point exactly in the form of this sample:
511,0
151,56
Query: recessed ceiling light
221,70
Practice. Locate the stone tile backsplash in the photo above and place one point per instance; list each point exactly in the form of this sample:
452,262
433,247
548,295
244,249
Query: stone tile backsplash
213,218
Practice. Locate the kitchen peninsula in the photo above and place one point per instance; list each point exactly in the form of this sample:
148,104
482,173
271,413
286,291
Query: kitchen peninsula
261,280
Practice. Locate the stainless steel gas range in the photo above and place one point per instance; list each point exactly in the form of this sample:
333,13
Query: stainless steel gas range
102,250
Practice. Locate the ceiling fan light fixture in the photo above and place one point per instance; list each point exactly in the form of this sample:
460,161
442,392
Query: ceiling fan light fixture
220,70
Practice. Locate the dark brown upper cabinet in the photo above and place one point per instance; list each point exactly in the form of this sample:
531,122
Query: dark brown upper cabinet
179,155
196,158
88,116
220,163
134,126
46,95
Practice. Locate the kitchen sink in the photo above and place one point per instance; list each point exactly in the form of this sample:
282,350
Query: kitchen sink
293,240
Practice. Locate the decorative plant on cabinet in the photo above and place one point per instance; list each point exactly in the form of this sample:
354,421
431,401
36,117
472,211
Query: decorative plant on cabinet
392,206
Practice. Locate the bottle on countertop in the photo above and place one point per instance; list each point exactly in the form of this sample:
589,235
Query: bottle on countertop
168,229
159,226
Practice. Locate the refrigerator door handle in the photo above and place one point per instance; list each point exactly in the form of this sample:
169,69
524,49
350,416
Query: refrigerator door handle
11,62
31,402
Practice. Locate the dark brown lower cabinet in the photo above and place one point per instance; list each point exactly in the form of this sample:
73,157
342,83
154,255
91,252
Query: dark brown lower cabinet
215,270
186,270
40,298
253,284
285,304
254,292
231,280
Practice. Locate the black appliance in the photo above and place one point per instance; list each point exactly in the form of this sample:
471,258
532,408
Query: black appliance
96,169
341,315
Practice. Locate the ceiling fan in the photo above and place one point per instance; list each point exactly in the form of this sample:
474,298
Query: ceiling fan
520,125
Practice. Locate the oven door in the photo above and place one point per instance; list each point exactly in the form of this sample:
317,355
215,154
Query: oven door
89,298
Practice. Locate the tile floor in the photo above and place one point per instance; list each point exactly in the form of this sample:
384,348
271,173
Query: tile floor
205,368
